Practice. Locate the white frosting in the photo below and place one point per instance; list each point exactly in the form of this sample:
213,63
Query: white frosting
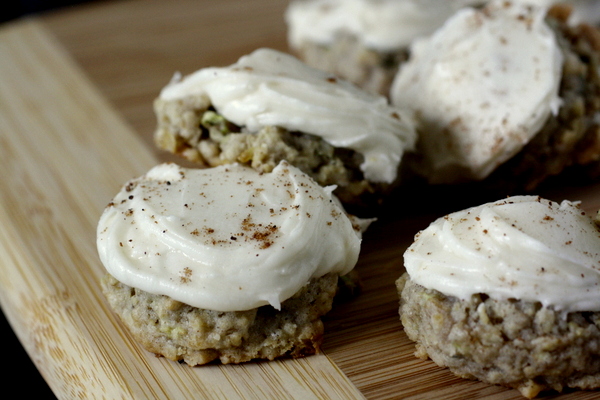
226,238
482,86
383,25
523,247
268,87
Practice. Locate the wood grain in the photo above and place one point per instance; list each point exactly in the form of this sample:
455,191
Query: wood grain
65,152
76,122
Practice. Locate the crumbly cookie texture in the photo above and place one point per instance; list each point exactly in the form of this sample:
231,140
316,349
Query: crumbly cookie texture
348,58
269,106
572,137
565,142
513,343
188,127
196,336
363,41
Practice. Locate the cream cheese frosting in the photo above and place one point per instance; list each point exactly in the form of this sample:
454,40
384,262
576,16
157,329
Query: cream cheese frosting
523,247
482,86
270,88
383,25
226,238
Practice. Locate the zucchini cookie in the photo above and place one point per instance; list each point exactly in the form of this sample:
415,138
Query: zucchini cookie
508,293
269,107
508,94
225,263
363,41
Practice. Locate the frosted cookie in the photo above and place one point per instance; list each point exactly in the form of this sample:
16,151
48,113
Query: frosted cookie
269,106
508,293
363,41
225,263
508,94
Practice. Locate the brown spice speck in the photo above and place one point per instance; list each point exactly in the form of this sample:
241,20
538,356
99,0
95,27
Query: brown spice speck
262,234
186,275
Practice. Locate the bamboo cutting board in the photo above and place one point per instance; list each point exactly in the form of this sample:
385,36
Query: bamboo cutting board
64,152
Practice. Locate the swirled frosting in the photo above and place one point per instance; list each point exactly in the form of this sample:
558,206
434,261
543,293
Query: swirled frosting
225,238
482,86
383,25
523,247
270,88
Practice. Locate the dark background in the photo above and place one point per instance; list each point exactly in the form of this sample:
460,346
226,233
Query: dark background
10,10
18,366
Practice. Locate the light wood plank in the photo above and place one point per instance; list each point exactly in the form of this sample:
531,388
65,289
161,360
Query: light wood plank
65,152
128,50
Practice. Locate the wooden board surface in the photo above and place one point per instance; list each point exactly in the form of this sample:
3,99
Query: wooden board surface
75,123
